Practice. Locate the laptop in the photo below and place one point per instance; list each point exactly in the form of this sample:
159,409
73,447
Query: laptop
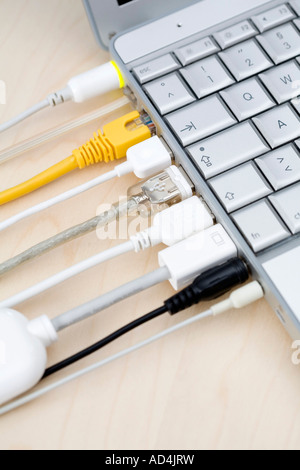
221,81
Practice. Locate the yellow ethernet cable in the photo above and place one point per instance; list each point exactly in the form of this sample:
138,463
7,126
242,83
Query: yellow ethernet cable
111,144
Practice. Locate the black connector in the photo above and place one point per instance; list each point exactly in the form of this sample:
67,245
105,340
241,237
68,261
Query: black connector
210,285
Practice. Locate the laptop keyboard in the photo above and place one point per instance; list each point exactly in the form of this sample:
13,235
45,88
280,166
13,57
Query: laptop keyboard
233,101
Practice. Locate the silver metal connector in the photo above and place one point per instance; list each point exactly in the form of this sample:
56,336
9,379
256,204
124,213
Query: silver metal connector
168,187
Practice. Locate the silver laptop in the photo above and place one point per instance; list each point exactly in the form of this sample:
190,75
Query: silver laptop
221,80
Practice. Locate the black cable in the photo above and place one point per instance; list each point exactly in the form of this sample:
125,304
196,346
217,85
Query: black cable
109,339
210,285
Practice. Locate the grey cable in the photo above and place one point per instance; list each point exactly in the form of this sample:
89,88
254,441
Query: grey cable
107,300
26,114
39,393
101,220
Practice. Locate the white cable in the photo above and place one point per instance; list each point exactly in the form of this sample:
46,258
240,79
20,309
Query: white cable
95,82
169,227
26,114
239,299
57,199
67,274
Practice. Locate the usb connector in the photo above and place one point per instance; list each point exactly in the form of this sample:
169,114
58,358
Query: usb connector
169,187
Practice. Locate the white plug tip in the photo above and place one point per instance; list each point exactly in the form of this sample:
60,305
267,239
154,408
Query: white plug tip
23,356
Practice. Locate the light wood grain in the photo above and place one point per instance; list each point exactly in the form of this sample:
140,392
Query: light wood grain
226,383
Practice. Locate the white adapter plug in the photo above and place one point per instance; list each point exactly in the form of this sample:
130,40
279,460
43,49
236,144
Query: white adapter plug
193,256
23,354
95,82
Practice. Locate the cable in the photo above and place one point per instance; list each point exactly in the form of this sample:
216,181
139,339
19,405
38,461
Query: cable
44,178
239,299
56,200
26,114
53,133
117,137
180,264
169,226
89,309
95,82
166,188
211,284
70,234
104,342
67,274
26,341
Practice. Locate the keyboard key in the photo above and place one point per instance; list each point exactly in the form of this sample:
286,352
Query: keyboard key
227,149
297,23
283,82
296,5
237,33
279,126
287,204
207,76
155,68
272,18
239,187
281,43
199,120
296,104
260,225
245,60
197,50
247,99
169,93
281,167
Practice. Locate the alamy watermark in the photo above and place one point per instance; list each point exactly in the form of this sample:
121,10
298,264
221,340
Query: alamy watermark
169,229
2,92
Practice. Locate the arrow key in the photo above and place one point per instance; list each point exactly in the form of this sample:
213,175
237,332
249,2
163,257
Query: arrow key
200,120
230,196
239,187
169,93
281,167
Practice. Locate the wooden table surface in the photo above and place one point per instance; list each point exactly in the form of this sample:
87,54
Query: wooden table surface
226,383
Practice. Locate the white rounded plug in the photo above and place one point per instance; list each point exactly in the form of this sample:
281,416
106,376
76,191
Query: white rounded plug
23,354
